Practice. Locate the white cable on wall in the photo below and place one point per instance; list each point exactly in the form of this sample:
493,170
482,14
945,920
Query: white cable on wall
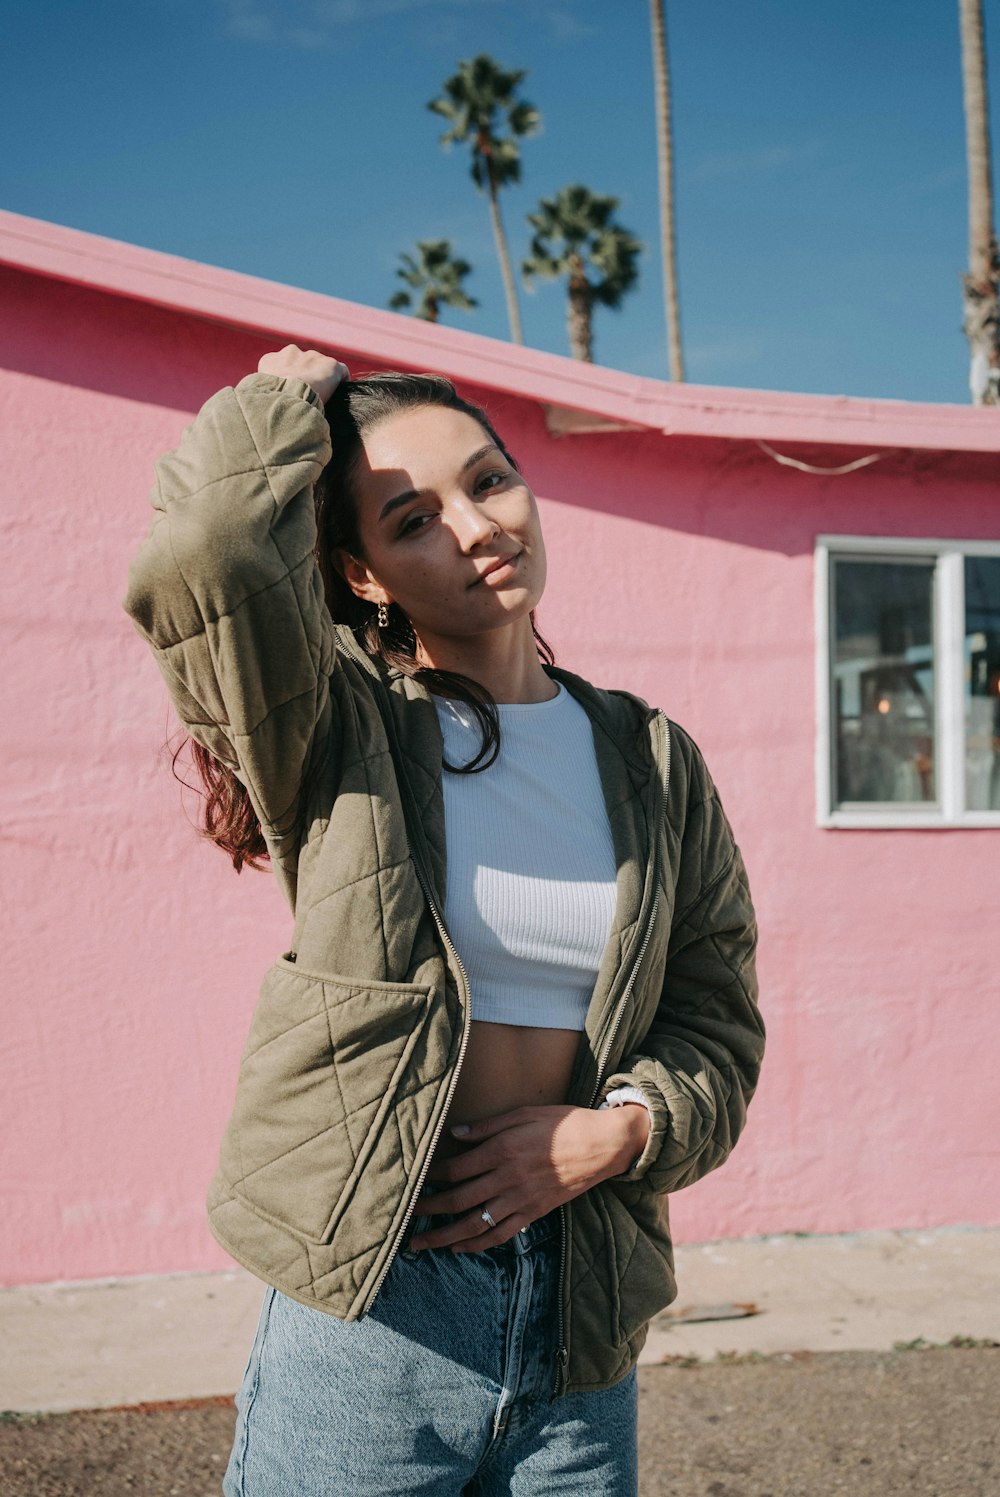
793,462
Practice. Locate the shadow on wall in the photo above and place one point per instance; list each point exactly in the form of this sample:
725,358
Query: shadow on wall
729,490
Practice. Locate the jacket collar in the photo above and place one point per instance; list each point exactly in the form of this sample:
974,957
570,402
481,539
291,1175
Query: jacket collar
626,742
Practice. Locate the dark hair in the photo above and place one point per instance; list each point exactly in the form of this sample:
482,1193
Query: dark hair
356,407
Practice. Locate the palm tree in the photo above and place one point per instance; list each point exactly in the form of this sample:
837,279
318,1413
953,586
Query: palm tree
437,276
476,101
982,314
665,156
575,236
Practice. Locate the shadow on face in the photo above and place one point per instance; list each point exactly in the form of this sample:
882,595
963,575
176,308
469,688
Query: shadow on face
438,504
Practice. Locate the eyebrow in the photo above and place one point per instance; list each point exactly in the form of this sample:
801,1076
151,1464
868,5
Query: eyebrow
470,462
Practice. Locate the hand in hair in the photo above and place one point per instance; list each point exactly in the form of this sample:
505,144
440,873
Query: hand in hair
316,369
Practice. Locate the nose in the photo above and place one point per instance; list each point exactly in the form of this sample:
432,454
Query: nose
470,522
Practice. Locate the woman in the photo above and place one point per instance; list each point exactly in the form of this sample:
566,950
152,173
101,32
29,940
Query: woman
519,1005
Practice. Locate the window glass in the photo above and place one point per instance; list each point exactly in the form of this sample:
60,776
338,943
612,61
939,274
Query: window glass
982,683
883,680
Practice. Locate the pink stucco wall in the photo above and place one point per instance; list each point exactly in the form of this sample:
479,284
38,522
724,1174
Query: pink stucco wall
679,568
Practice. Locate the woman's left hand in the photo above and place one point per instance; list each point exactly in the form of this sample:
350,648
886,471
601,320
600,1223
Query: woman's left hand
524,1163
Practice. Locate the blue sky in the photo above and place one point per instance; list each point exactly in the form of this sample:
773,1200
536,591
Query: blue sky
820,161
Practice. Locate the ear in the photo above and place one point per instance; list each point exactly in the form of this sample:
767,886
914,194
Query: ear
357,576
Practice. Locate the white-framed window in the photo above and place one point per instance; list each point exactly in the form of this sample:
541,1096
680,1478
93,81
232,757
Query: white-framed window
907,682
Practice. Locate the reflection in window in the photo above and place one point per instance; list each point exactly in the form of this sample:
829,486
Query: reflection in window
982,683
883,680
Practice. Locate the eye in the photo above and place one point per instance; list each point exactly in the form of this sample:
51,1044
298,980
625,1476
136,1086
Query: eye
483,483
413,524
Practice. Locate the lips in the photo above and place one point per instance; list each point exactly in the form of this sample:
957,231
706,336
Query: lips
495,566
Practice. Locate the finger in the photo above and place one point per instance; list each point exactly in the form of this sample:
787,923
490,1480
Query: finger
462,1229
471,1133
470,1233
505,1230
479,1159
280,354
461,1195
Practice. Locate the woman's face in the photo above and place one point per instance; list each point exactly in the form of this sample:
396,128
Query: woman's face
438,504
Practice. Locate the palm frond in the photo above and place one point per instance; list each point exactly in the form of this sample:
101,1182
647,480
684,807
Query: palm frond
574,233
524,119
479,102
437,275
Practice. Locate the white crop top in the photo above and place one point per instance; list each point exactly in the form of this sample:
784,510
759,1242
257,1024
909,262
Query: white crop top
531,880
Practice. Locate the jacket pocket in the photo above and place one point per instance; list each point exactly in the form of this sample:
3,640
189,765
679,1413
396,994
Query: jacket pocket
638,1226
326,1064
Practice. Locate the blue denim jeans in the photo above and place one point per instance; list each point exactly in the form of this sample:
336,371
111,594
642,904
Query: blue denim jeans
444,1389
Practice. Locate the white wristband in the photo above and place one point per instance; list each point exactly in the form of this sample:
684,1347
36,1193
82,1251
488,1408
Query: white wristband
618,1097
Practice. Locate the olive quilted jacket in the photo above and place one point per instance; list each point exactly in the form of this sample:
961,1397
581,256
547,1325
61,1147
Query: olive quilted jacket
361,1026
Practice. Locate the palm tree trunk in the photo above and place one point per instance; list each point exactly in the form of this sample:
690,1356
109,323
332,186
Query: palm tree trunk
578,322
665,157
510,291
982,314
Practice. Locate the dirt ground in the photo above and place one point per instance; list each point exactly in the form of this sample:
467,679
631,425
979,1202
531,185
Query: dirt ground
920,1422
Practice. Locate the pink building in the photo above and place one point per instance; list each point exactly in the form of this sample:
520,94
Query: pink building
810,585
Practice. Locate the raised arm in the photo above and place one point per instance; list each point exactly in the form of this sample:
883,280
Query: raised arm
225,587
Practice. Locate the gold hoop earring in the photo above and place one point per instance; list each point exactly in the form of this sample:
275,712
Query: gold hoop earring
383,615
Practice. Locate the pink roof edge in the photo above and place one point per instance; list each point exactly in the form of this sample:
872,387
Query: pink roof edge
389,338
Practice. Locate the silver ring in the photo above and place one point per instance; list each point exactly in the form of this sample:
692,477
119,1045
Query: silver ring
485,1214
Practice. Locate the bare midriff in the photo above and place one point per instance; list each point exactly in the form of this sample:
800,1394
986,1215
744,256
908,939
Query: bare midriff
507,1066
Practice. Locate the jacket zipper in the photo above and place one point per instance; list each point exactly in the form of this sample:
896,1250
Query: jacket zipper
451,1087
624,997
606,1050
562,1355
386,714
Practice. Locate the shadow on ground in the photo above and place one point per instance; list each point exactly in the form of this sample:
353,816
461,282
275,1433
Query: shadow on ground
920,1422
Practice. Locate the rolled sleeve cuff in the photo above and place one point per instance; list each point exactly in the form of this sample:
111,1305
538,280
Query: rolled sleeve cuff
617,1098
651,1098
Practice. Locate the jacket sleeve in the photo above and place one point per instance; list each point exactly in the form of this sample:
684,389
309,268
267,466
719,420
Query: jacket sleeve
698,1065
226,591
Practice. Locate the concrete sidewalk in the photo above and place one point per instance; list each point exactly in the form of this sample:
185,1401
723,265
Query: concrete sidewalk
107,1343
860,1292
